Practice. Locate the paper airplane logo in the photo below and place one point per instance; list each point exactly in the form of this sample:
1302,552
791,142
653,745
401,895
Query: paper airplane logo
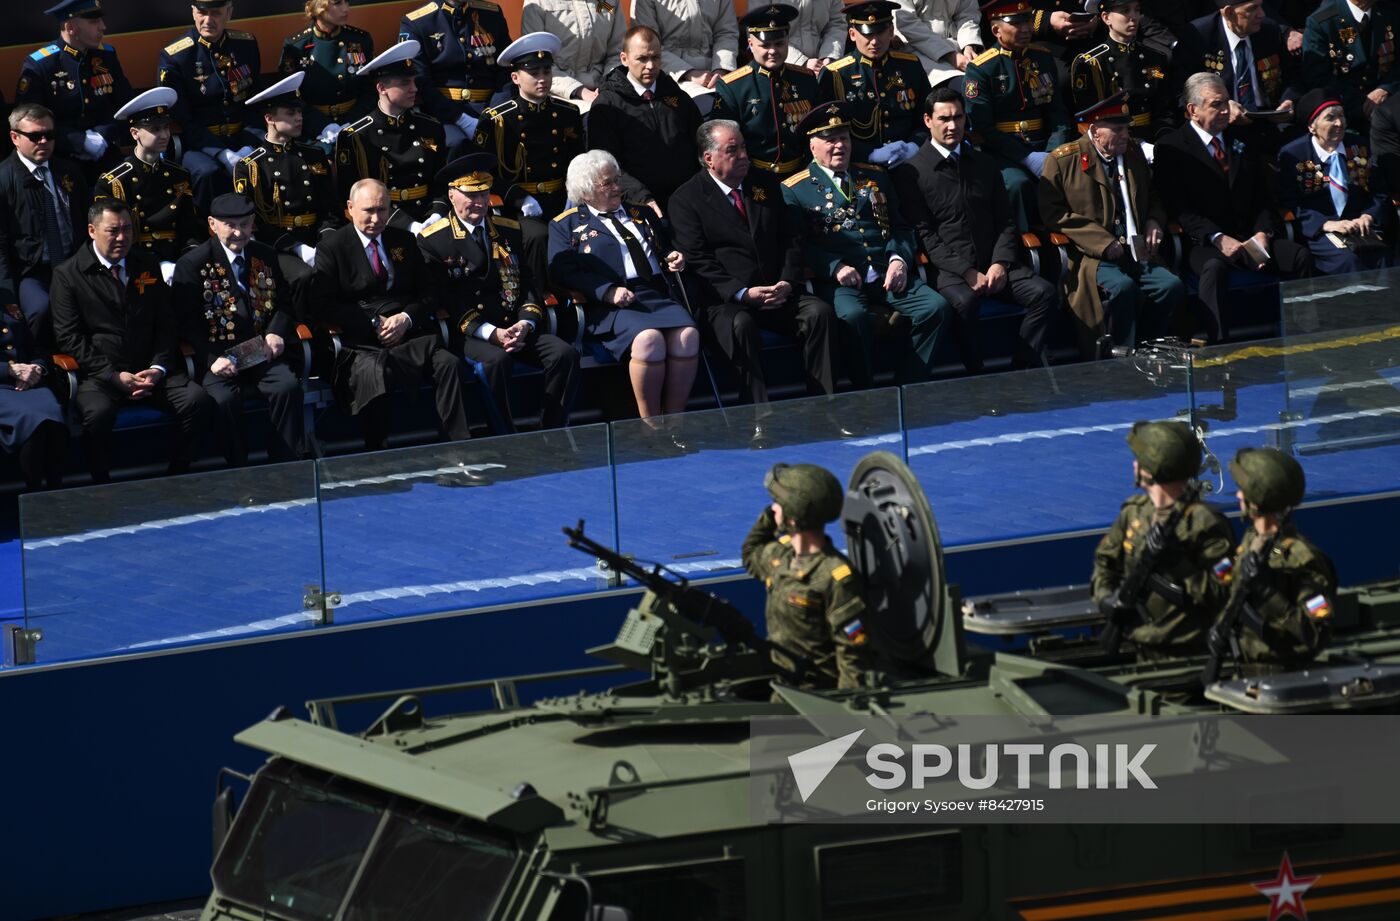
810,766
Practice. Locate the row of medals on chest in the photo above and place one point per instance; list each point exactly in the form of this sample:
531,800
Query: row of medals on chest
221,299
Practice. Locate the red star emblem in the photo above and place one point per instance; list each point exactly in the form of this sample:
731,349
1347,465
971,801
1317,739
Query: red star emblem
1285,892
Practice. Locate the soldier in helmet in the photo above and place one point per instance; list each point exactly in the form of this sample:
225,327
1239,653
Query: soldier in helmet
1291,583
1185,591
815,600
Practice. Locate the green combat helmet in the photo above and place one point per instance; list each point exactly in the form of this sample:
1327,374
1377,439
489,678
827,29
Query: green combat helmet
1270,479
809,495
1166,451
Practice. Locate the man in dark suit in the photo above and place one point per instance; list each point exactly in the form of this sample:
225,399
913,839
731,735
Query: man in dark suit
112,313
43,208
1219,186
372,282
476,271
729,222
233,305
955,198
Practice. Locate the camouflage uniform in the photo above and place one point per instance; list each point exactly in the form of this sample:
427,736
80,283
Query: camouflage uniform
1170,626
1294,602
815,605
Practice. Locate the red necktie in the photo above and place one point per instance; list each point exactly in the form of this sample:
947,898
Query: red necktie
647,95
1219,150
376,264
738,200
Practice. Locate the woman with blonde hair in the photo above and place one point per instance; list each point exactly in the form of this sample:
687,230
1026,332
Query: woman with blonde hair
331,52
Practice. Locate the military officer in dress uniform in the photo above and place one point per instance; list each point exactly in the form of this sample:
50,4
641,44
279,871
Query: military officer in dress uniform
883,90
212,69
1292,585
815,600
330,52
533,137
1249,54
858,246
1014,106
475,271
769,97
456,61
1351,43
1125,64
157,190
290,183
1184,593
394,143
80,80
232,305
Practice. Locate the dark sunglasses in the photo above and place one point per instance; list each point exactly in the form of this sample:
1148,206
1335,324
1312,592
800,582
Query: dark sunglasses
35,136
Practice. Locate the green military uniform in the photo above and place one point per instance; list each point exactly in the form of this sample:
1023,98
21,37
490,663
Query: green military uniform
769,105
1177,608
1016,111
330,61
1142,72
862,228
1354,59
1293,599
161,200
885,98
815,605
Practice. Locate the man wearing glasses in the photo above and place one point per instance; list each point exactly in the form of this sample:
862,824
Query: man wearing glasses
43,207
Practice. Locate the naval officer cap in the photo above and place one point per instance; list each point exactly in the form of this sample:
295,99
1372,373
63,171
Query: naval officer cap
1011,11
1112,110
285,92
396,62
231,206
149,108
472,173
205,6
1094,7
529,51
87,9
870,17
766,23
825,118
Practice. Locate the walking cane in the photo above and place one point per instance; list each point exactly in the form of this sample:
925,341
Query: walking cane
685,302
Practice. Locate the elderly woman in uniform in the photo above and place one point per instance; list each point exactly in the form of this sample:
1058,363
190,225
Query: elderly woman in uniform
331,53
590,37
31,422
699,39
616,255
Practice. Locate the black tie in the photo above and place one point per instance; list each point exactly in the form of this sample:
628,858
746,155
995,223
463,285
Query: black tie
240,272
1244,84
1366,33
844,184
640,262
56,241
479,236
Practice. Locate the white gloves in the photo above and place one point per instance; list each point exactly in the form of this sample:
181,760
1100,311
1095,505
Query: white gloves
1147,150
94,144
529,207
467,125
167,272
229,159
306,254
328,135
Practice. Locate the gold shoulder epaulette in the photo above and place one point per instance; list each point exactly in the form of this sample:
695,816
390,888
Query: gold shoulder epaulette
422,11
847,61
506,222
559,217
1066,150
434,227
988,55
795,178
177,46
241,36
903,56
738,74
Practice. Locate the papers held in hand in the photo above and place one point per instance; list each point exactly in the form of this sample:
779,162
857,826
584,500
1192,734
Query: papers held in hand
249,353
1273,117
1257,254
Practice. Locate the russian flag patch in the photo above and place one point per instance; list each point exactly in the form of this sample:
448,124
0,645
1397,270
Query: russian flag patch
855,632
1223,569
1318,607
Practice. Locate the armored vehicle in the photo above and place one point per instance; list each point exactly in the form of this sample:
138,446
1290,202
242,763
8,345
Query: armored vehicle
634,803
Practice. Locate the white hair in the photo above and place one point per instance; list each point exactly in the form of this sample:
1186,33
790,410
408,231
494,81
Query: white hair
1197,84
581,182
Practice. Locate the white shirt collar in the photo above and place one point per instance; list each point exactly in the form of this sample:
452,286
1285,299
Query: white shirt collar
230,255
831,177
1232,39
722,187
1323,155
1357,12
28,163
1205,136
364,240
947,151
107,263
600,213
640,87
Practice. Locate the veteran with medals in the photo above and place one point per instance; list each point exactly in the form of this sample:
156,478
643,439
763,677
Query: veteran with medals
476,272
231,301
768,97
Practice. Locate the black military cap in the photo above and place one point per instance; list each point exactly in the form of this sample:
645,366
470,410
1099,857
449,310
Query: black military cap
1105,6
149,108
870,16
829,116
231,206
472,173
1112,110
207,5
529,51
87,9
1007,10
1314,102
284,92
769,22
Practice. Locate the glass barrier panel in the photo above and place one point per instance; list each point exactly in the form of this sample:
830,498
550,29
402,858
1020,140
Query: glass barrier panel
131,567
689,508
1336,302
1331,399
464,525
1025,453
